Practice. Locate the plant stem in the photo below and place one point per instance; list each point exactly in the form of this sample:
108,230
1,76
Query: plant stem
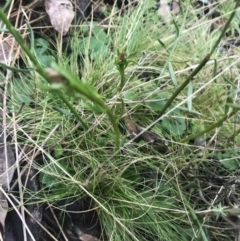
213,126
121,64
122,80
213,212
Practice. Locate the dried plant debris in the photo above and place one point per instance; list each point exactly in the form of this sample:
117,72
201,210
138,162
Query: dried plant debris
7,50
3,209
166,10
175,8
7,168
61,14
76,232
215,185
88,237
133,130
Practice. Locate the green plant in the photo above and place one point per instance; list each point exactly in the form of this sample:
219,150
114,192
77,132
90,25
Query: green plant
96,44
43,55
138,192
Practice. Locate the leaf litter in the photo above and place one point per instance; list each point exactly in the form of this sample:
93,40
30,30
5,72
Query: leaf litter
7,50
7,168
61,14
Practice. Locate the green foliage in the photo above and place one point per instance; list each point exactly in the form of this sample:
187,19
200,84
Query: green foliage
96,43
229,158
139,193
42,50
176,125
22,91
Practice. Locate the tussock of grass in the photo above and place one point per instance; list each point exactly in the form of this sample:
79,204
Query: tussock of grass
138,193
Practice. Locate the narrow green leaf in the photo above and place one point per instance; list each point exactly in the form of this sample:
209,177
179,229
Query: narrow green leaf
176,27
229,102
16,69
229,82
163,45
32,42
215,68
172,74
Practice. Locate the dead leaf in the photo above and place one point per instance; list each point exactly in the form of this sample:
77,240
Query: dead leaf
7,168
3,209
149,137
7,164
175,7
87,237
60,13
81,234
131,127
7,159
7,51
164,10
133,130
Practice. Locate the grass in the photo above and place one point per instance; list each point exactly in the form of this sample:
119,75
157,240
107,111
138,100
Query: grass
138,192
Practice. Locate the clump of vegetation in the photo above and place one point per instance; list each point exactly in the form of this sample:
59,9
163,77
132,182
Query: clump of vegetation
140,119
